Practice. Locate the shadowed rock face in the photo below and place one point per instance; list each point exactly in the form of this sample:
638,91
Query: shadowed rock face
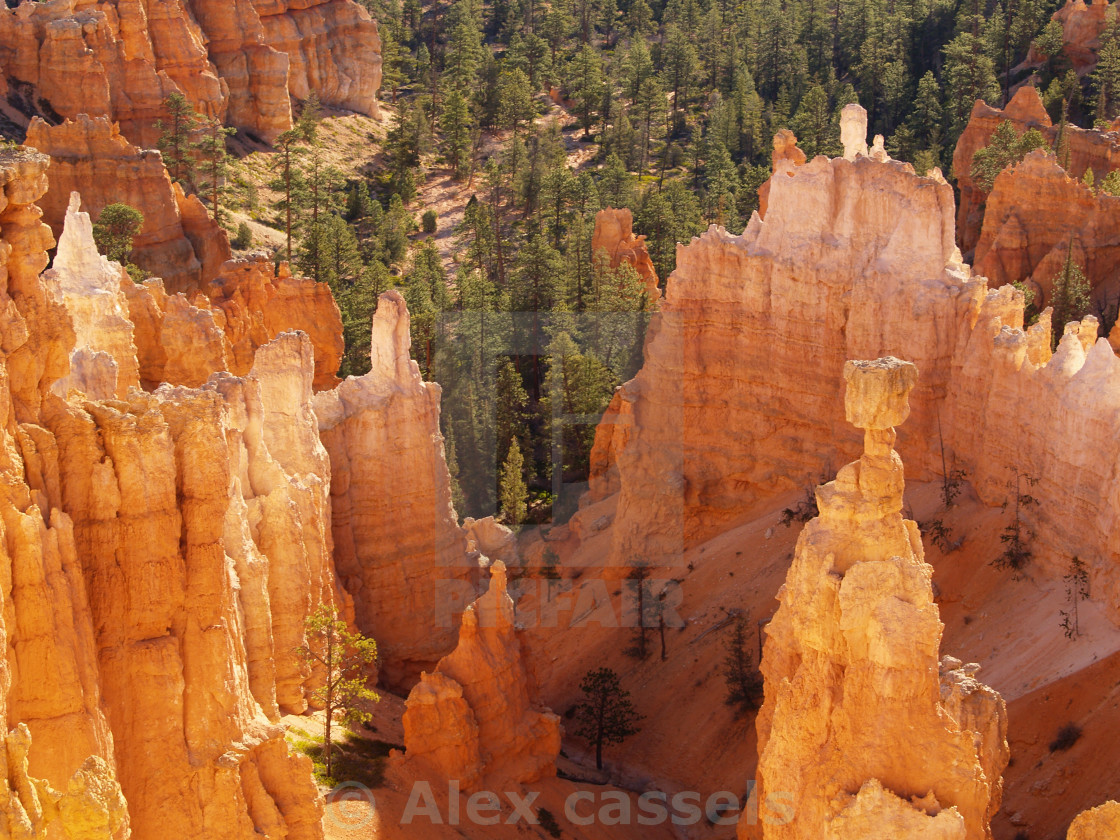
238,61
855,639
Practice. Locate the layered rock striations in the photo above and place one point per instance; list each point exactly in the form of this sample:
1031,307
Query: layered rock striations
614,236
1094,149
333,49
239,62
1035,217
474,718
856,260
89,156
162,552
398,545
865,732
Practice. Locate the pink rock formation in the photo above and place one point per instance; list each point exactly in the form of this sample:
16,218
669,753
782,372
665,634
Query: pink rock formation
614,236
474,718
333,48
111,58
90,807
398,545
784,157
776,305
235,61
89,156
257,303
1034,212
1088,149
1082,25
103,363
855,639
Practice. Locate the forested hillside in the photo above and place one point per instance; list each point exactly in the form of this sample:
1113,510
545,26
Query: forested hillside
547,112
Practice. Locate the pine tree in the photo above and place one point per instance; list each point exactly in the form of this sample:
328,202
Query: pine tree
289,179
213,162
515,99
343,656
606,715
586,85
1070,296
969,75
175,137
513,489
455,123
744,685
1005,148
116,227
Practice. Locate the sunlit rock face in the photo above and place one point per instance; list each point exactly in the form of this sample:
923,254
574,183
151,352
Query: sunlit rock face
163,550
397,542
856,640
474,718
855,260
240,62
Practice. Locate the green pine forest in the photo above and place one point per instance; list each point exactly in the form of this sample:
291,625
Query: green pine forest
671,107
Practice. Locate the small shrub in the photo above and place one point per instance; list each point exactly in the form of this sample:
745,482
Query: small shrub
244,237
428,221
1068,735
548,822
803,511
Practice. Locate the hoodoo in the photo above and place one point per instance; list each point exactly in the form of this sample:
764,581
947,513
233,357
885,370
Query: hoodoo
866,732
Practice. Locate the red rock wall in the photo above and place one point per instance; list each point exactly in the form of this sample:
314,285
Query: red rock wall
122,58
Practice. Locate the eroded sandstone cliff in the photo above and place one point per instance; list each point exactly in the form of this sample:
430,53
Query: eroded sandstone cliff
183,340
162,551
855,259
856,639
89,156
398,545
1094,149
240,62
474,718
